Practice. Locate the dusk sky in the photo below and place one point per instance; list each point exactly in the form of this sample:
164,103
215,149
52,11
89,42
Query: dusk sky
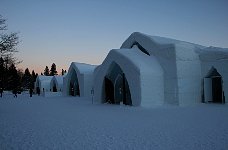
63,31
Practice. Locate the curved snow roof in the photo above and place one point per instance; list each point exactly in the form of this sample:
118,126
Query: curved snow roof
83,68
140,61
213,53
42,77
59,79
145,39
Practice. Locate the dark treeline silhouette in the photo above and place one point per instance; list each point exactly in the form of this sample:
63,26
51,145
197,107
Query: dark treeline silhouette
28,79
52,71
12,78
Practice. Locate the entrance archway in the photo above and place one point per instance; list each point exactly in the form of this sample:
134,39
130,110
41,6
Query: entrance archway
109,91
116,87
74,85
213,89
54,88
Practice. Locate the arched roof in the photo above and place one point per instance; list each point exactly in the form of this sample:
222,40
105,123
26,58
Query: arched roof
205,53
141,62
213,53
58,79
145,40
42,78
82,68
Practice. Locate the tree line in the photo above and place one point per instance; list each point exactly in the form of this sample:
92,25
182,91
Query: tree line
12,78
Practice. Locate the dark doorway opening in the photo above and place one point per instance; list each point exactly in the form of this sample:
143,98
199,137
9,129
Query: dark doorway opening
109,91
54,89
71,90
74,89
116,86
77,91
213,89
217,93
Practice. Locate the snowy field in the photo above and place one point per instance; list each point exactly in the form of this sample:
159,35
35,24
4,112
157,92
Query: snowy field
75,124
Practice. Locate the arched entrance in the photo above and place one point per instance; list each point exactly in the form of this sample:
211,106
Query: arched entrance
116,87
74,85
109,91
54,88
213,89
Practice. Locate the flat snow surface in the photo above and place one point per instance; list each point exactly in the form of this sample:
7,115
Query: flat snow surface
74,123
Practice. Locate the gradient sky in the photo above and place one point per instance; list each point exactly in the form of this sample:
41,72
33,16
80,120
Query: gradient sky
63,31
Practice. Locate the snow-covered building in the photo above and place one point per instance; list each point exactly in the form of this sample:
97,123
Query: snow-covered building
151,70
42,83
57,83
79,80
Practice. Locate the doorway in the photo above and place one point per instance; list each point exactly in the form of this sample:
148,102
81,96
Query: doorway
109,91
116,87
74,89
213,89
54,89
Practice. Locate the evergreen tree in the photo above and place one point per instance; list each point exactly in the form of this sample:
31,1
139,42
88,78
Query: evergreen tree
13,78
63,72
20,74
27,79
53,70
34,75
46,71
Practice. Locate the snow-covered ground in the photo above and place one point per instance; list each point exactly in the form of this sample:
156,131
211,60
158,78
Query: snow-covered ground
74,123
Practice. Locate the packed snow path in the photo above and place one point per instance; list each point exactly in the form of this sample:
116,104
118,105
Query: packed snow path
74,123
